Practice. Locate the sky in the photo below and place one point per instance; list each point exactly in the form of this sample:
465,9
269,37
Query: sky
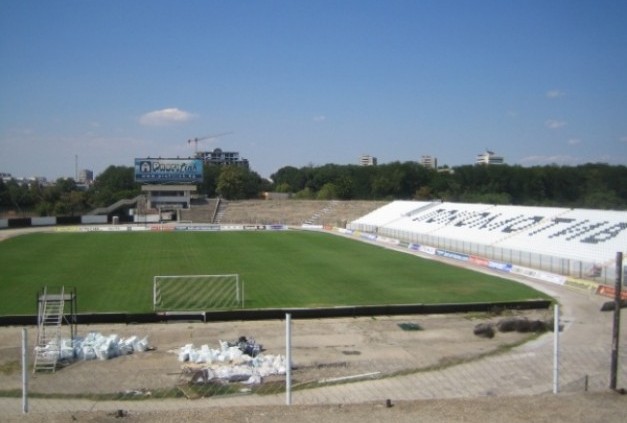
87,84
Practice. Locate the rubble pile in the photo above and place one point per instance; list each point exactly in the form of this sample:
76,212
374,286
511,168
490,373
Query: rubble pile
512,324
240,361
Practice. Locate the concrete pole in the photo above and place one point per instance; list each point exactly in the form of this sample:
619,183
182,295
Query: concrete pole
24,371
556,349
288,359
616,326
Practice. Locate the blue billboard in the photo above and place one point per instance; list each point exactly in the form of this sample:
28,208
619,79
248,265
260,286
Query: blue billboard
168,170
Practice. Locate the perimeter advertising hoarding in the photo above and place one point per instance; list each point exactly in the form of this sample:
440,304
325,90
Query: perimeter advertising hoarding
168,170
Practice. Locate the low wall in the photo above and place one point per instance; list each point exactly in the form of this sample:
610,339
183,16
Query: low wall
279,313
43,221
92,219
26,222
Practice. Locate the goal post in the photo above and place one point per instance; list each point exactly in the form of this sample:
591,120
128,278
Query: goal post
197,292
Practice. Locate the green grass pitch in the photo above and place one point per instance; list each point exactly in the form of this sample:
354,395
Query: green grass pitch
113,272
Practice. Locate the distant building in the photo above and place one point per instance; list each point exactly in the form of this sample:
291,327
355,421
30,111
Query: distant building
218,157
429,162
489,158
40,180
367,160
85,176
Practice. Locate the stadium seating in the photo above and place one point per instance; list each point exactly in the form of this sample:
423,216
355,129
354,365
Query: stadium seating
295,212
589,236
388,214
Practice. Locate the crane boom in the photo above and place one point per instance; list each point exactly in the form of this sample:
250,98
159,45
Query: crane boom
208,137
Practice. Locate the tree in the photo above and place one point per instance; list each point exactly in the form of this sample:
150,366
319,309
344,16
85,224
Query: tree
327,192
305,194
283,187
115,183
211,174
361,181
4,195
18,196
64,185
289,178
238,183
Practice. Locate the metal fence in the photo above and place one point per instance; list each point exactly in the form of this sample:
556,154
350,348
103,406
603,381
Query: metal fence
336,361
599,272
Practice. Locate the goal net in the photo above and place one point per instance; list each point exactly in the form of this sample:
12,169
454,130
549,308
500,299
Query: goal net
197,292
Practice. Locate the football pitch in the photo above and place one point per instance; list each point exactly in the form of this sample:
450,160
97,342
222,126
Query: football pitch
113,272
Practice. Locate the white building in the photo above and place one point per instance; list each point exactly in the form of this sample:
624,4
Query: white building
489,158
367,160
429,162
85,176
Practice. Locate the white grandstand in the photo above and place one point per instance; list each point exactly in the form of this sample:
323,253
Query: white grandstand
571,242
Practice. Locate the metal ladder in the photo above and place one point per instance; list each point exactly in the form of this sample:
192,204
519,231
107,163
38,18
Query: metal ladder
50,318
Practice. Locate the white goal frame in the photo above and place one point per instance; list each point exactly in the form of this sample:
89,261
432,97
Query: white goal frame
198,292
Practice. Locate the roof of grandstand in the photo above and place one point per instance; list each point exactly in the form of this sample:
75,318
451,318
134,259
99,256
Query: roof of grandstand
579,234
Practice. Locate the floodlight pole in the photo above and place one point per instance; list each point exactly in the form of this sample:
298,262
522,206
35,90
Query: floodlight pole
616,326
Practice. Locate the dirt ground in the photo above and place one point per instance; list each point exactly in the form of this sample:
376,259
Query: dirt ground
606,407
321,349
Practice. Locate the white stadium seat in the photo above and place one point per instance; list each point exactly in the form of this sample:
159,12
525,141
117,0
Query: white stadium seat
588,236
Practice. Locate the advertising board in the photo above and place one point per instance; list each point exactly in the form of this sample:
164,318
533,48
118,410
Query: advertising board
168,170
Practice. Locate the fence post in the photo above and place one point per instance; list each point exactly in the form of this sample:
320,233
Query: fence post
24,371
288,358
616,325
556,349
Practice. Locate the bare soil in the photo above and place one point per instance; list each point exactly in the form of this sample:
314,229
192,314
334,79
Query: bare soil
321,348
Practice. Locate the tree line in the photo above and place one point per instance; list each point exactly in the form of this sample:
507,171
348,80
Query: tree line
598,186
595,186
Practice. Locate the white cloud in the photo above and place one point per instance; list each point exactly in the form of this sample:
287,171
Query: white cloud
554,94
319,118
165,117
574,141
554,124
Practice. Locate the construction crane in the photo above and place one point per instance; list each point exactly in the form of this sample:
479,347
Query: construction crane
208,137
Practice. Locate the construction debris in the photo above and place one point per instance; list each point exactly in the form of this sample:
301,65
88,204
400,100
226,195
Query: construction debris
240,361
512,324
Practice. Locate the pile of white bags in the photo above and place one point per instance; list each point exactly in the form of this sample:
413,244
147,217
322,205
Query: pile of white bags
98,346
231,364
94,346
